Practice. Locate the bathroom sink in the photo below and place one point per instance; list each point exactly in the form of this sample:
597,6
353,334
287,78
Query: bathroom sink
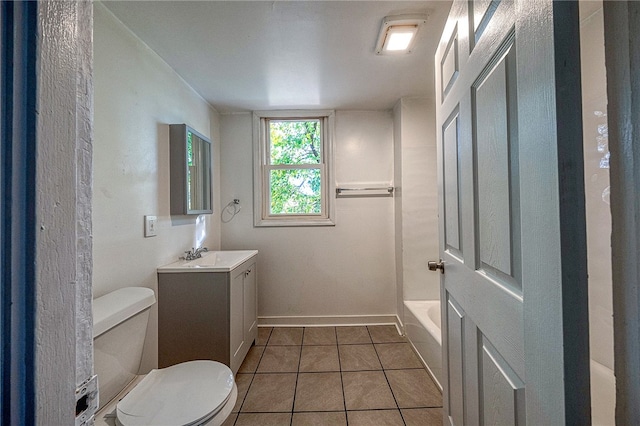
212,261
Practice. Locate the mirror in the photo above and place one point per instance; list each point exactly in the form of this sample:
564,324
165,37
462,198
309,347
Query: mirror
190,171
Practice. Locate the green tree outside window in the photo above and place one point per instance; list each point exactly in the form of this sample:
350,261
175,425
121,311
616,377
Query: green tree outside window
295,190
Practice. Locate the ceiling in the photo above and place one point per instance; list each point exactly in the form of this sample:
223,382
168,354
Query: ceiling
261,55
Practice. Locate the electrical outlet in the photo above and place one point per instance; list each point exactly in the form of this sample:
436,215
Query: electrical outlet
87,402
150,223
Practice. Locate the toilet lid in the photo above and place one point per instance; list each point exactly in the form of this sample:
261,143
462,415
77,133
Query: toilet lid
183,394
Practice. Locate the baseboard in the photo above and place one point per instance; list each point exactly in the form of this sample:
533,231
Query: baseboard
331,320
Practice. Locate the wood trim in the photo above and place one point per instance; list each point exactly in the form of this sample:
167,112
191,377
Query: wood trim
573,231
18,122
622,57
551,167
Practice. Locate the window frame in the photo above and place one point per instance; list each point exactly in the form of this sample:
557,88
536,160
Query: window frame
262,168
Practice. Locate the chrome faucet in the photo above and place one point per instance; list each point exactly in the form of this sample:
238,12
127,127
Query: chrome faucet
194,253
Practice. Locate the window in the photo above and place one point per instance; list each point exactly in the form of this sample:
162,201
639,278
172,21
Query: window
292,168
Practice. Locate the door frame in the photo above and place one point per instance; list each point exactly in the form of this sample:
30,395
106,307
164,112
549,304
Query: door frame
623,112
46,110
18,90
622,59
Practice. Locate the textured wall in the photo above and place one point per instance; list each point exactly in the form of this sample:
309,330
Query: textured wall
84,175
397,205
63,253
417,206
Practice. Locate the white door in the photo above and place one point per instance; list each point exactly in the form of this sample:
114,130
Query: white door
512,228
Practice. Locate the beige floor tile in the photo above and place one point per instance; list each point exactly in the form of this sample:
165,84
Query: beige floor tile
270,393
422,416
252,359
367,390
352,335
319,358
263,335
336,418
385,334
279,359
397,355
319,336
263,419
230,420
358,358
375,417
242,381
414,388
286,336
319,392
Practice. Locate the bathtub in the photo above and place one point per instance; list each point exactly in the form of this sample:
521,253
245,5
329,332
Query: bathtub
422,326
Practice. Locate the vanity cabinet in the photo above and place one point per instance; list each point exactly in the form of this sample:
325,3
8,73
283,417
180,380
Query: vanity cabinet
207,315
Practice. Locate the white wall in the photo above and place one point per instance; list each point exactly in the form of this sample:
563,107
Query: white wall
397,205
137,96
319,272
417,204
594,98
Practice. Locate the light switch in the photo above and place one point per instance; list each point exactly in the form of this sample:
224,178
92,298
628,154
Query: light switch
150,223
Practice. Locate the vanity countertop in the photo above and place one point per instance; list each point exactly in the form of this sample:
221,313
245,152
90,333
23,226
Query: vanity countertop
211,261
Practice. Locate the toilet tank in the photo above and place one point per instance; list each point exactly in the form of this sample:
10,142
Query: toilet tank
119,328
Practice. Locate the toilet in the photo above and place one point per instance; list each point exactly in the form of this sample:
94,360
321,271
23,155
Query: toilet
201,392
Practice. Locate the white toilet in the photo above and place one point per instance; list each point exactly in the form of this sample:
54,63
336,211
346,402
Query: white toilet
190,393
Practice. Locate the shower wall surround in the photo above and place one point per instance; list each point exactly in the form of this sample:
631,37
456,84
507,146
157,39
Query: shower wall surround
416,209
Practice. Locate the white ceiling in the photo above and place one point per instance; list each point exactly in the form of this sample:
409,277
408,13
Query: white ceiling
259,55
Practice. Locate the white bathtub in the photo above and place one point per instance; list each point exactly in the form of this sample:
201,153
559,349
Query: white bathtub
422,325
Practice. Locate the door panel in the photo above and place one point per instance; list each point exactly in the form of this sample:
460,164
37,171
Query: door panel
236,312
481,12
494,308
495,142
492,169
250,305
449,64
450,164
501,390
455,370
500,176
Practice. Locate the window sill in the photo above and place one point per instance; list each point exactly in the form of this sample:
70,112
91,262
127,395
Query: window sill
292,222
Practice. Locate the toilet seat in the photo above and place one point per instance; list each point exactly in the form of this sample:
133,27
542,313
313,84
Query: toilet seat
184,394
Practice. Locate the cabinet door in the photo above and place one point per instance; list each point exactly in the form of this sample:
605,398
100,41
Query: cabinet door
250,305
236,314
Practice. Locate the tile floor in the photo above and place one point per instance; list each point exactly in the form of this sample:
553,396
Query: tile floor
334,376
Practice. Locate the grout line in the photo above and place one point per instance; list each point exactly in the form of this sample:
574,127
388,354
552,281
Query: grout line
268,337
295,388
344,396
387,379
253,376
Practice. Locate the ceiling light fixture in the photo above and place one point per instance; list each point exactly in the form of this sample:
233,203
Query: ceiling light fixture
398,33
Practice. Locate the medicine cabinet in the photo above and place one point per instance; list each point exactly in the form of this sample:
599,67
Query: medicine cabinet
190,168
